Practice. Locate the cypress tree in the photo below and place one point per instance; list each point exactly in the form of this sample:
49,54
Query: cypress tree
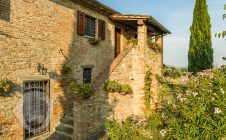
200,55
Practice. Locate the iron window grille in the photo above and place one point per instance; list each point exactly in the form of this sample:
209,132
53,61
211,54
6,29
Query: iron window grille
36,108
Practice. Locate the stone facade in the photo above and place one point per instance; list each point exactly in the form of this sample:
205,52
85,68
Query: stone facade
45,32
131,70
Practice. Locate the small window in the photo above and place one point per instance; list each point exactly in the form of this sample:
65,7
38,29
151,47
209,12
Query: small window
87,74
90,26
5,10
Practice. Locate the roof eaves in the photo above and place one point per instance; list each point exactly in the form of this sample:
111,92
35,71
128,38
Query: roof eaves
105,6
154,21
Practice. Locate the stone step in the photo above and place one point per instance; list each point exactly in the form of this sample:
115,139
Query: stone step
68,116
67,123
57,136
66,131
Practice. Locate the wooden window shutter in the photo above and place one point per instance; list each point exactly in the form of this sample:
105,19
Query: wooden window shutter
81,23
101,29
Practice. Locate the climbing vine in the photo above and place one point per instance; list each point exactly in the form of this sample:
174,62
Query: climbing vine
147,90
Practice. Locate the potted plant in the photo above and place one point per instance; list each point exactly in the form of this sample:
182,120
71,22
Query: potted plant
112,86
65,69
126,89
94,41
81,91
133,41
4,86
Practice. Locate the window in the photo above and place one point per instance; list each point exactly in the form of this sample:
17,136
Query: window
87,74
5,10
36,108
90,26
86,25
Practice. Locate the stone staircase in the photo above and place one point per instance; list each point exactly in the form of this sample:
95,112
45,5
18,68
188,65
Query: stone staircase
65,130
105,74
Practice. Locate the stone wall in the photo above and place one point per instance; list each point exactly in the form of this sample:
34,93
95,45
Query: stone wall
127,72
45,32
10,128
154,61
5,10
131,70
90,116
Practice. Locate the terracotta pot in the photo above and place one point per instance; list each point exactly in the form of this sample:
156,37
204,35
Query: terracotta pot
122,93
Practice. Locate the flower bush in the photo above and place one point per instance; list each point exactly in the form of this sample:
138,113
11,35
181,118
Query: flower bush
122,131
196,109
5,86
133,129
81,91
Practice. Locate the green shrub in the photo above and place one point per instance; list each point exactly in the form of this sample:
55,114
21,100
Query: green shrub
126,89
82,91
173,72
112,86
147,91
154,46
65,69
5,86
126,130
197,109
133,41
133,129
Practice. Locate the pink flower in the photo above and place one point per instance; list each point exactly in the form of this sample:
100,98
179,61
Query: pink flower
163,132
222,91
195,93
180,97
217,110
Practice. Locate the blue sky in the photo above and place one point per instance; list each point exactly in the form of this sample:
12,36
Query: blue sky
177,16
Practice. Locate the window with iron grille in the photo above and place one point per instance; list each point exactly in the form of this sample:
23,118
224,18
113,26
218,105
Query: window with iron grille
90,26
36,108
87,75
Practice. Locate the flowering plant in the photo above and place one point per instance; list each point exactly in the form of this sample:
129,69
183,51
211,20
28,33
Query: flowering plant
196,109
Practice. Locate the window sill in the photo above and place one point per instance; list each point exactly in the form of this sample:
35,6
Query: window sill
89,37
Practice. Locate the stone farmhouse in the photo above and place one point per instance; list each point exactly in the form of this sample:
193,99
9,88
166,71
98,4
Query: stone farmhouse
39,38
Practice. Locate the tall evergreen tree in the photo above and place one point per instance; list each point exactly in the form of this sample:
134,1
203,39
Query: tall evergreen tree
200,55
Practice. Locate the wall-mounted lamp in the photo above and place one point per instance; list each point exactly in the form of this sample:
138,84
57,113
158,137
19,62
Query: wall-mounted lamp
41,69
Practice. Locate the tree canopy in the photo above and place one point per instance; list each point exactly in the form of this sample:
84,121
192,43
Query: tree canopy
200,55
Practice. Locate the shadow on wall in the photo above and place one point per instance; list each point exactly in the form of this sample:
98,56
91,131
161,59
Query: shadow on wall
5,10
91,115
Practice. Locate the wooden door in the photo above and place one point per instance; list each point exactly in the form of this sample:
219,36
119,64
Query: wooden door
117,41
